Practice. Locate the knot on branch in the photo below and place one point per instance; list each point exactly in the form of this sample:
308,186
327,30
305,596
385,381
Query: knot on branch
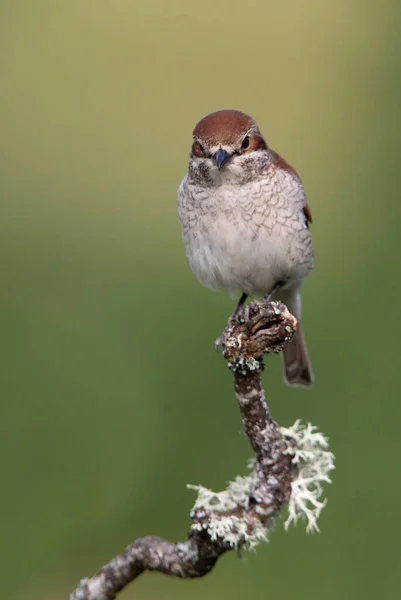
262,328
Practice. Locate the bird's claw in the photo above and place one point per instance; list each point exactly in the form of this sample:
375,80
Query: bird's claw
239,316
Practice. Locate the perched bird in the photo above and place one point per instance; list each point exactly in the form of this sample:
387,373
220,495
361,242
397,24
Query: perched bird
245,222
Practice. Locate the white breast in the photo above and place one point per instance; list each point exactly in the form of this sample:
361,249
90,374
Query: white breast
244,238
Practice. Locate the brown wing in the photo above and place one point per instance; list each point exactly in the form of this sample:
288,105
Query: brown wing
308,214
281,163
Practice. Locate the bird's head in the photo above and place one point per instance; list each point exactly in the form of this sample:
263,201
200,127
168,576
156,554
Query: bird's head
225,143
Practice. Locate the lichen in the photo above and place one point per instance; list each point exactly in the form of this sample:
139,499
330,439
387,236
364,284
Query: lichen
245,365
245,531
236,495
312,463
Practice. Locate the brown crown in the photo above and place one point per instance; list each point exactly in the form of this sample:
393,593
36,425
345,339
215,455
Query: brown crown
224,127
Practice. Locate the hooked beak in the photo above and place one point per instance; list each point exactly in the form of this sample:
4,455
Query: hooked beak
221,157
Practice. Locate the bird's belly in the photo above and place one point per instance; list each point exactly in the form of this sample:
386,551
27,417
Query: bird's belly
237,257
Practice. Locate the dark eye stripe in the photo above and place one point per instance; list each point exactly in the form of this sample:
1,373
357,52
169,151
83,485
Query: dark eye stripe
197,149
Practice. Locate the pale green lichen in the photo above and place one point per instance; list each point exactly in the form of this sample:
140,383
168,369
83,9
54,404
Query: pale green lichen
245,531
245,365
237,494
240,532
311,463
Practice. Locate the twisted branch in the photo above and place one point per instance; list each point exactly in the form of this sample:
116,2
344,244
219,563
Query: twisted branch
238,517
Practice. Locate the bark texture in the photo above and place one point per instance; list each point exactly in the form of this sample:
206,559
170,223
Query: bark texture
264,328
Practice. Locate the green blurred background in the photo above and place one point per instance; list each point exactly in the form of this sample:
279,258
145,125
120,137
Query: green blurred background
112,398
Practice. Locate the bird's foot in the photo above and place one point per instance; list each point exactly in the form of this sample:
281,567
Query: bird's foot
262,328
239,316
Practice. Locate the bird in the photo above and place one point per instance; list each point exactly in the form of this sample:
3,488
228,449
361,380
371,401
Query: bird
245,222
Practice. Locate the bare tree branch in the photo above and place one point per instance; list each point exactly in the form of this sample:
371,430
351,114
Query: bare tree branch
239,516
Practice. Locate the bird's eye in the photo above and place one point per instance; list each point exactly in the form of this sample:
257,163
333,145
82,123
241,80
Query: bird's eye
245,143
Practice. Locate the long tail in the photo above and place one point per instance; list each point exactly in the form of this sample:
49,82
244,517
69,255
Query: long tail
297,367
